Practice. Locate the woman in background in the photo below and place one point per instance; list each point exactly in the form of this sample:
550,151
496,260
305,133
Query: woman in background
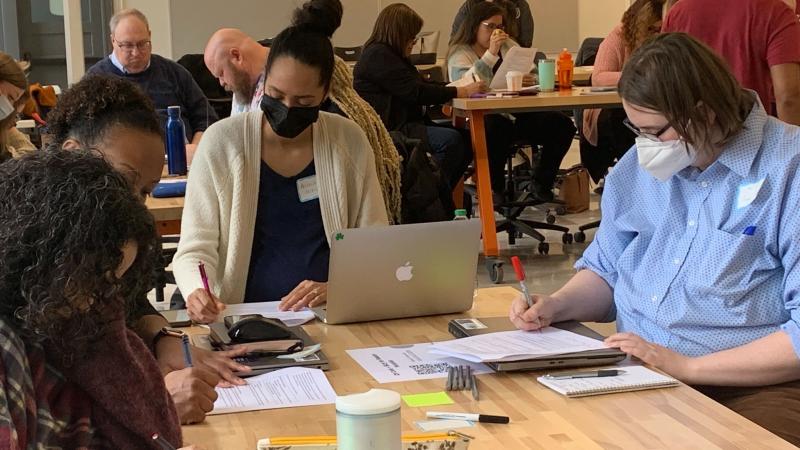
603,129
385,77
477,49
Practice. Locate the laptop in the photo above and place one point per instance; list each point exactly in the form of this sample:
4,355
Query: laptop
400,271
474,326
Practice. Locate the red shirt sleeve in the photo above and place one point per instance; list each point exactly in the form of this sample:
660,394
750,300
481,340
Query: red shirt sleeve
783,45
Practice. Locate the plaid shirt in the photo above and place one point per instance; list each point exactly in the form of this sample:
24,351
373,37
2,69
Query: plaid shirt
38,407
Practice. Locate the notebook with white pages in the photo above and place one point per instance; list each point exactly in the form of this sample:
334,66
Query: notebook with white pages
635,378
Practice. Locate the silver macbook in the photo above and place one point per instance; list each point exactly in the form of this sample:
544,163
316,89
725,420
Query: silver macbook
401,271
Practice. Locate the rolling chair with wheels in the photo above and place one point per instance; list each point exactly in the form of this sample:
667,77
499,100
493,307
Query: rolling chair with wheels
519,195
516,198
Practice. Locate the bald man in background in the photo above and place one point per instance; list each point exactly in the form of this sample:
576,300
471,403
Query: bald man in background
238,62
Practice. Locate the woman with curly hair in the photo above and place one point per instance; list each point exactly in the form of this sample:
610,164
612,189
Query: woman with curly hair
76,250
115,118
609,139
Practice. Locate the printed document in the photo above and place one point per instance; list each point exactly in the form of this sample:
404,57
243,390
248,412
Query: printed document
285,388
518,59
395,363
515,345
270,309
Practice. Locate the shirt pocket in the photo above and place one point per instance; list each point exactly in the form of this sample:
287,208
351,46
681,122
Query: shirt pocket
730,266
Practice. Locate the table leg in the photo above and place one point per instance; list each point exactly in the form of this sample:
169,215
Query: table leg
485,203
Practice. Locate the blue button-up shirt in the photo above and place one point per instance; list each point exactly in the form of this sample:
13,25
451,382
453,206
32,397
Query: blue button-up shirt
707,260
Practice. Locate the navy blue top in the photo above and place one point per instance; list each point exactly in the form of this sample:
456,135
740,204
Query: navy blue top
168,83
289,243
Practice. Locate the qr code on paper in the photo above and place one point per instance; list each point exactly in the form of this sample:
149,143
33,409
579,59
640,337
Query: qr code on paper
429,369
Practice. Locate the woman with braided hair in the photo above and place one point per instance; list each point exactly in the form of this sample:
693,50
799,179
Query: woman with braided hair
387,160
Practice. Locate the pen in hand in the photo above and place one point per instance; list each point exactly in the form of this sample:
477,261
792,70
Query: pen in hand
187,350
163,443
520,271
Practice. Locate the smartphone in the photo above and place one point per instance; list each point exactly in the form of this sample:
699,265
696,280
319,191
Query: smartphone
177,317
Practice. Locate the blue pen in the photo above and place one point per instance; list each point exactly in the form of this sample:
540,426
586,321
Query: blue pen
187,352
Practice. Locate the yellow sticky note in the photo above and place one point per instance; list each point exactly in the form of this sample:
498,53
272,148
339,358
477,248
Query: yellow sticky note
429,399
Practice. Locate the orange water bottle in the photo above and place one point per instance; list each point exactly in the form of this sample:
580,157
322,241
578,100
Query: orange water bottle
565,69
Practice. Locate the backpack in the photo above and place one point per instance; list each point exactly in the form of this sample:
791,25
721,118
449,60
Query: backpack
425,195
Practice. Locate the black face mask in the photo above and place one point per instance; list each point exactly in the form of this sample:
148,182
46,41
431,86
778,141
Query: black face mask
288,122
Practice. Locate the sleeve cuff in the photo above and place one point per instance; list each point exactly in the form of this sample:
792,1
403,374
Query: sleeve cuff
793,330
489,58
609,277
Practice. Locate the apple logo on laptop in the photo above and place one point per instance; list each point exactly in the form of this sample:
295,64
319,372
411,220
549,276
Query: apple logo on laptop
403,273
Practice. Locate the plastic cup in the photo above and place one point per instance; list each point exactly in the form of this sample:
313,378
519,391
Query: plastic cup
514,80
547,75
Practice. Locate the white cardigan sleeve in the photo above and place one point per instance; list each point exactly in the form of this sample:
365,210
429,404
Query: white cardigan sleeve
372,211
200,223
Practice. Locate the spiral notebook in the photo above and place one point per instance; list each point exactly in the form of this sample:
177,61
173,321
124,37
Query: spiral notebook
635,378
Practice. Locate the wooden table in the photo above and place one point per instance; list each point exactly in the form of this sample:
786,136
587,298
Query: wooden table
167,213
476,109
540,418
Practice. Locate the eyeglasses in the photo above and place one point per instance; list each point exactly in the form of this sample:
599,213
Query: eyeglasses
129,46
493,26
653,137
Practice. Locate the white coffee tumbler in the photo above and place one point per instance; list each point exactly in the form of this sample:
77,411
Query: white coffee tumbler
368,421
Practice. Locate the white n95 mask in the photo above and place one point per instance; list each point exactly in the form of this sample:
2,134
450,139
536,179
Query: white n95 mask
664,159
6,107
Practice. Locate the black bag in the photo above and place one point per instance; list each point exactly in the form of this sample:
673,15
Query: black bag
425,195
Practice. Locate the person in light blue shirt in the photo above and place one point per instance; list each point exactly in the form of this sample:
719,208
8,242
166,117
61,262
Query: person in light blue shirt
698,254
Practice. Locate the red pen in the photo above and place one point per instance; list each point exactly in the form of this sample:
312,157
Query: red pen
521,277
204,277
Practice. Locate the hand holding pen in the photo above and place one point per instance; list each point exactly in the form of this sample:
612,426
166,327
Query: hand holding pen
202,305
529,312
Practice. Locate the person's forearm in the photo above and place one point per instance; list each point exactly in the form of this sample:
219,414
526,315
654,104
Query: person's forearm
789,110
769,360
148,326
585,297
196,137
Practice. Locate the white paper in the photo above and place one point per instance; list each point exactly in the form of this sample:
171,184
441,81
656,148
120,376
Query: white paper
464,81
269,309
395,363
285,388
516,345
748,193
518,59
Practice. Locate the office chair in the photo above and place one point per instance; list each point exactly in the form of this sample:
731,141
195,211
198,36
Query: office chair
348,53
425,49
163,276
585,57
519,194
219,99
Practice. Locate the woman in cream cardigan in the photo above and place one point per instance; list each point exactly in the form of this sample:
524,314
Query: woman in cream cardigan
268,188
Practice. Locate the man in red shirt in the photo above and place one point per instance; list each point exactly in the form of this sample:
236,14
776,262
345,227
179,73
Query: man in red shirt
760,39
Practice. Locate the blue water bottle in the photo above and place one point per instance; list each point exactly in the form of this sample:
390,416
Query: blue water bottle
176,142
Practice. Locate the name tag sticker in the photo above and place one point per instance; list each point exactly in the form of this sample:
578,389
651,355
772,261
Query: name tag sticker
307,188
747,193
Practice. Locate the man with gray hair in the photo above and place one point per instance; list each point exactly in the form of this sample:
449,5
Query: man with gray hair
166,82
